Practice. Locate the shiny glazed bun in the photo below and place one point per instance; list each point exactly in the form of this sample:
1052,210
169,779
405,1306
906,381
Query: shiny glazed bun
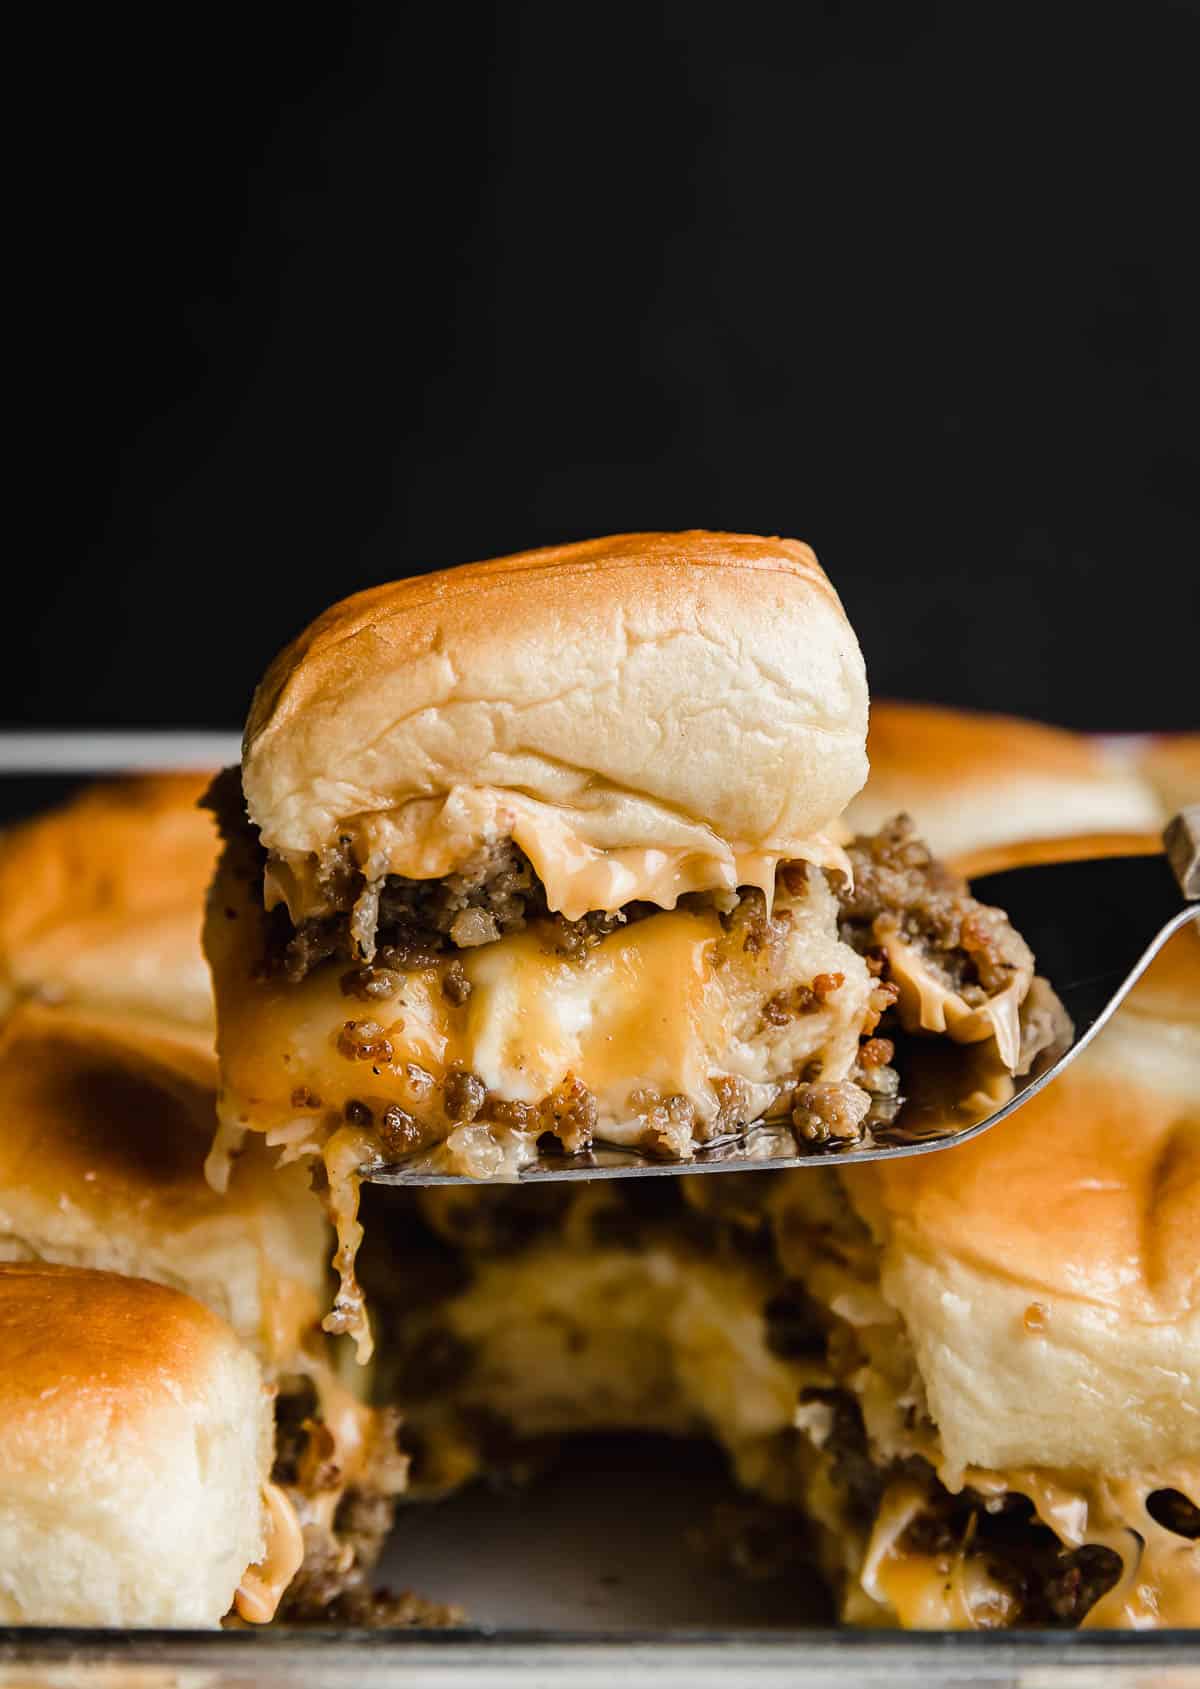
971,780
101,901
642,691
136,1435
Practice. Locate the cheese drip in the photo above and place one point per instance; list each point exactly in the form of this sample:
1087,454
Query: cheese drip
672,1003
618,851
263,1584
345,1155
1160,1585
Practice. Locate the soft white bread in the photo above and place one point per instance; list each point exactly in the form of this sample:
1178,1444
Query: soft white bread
136,1434
101,901
971,780
699,693
104,1126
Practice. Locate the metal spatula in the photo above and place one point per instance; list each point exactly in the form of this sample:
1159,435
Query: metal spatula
1094,927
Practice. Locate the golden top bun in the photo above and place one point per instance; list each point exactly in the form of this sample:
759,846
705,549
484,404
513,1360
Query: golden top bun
101,901
137,1437
649,691
1056,1260
970,780
104,1127
1070,847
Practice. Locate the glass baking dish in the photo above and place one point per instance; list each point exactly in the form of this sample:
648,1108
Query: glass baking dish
580,1581
469,1659
586,1580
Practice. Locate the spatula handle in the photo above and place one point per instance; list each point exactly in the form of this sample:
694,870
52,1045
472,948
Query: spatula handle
1182,839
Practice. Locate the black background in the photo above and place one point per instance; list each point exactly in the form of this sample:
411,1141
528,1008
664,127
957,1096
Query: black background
321,296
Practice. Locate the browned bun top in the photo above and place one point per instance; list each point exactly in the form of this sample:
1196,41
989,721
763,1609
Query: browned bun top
106,1340
105,1123
647,688
972,780
95,1100
101,901
966,743
1071,847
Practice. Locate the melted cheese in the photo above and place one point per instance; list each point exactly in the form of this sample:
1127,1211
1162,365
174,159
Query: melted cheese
669,1003
648,1006
672,1004
926,1592
341,1442
1159,1586
346,1152
349,1421
927,1005
263,1584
